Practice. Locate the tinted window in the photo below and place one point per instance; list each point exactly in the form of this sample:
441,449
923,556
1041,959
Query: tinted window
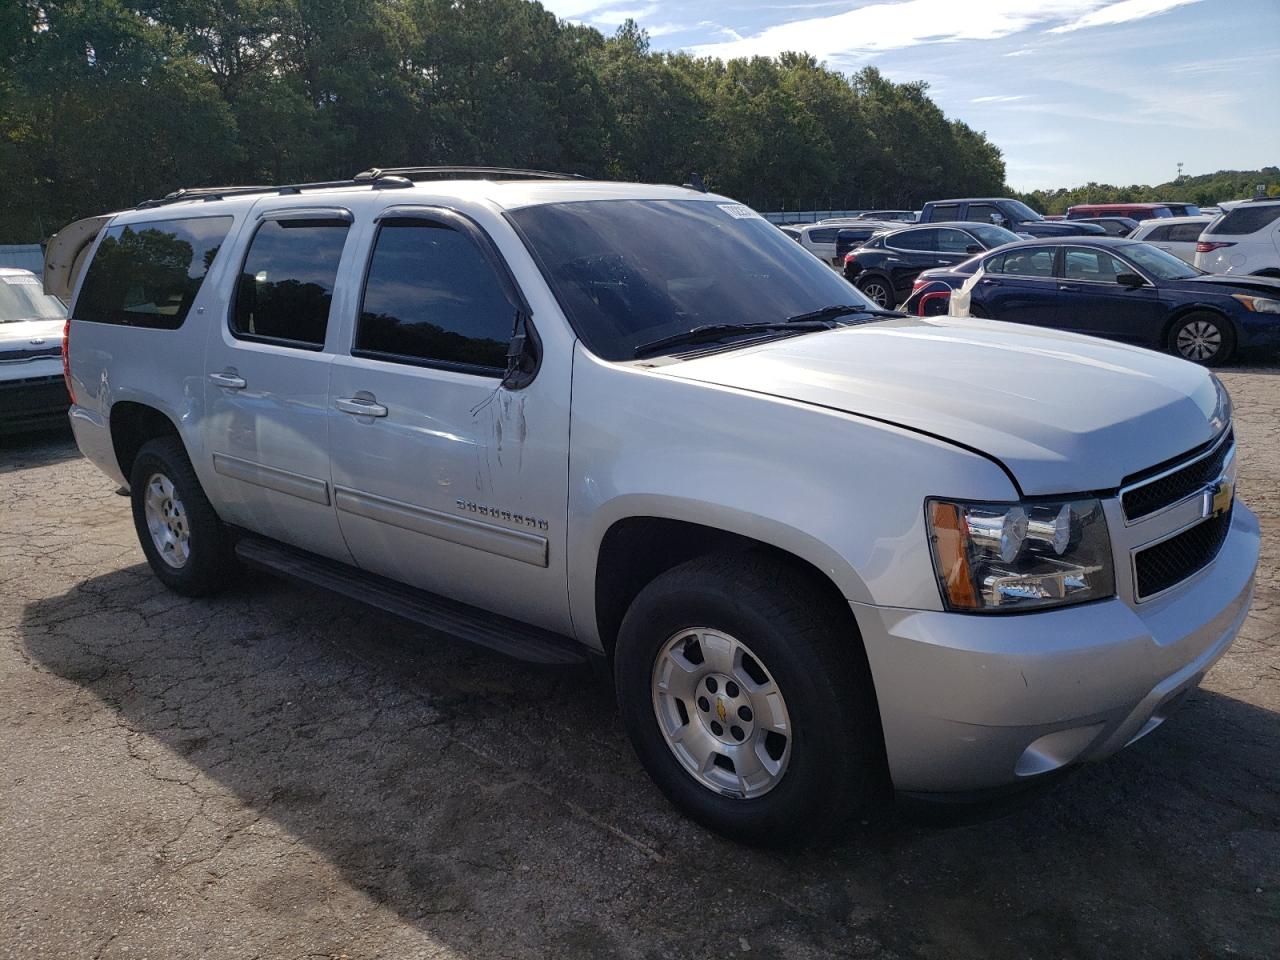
1185,232
982,213
946,211
1083,264
1158,233
1026,262
1247,218
286,283
955,241
631,271
22,297
926,240
432,295
148,274
1158,263
992,236
822,236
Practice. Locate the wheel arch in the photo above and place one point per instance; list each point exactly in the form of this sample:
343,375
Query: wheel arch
1178,314
132,424
637,548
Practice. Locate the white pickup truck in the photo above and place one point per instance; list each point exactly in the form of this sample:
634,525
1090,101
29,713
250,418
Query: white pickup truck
823,547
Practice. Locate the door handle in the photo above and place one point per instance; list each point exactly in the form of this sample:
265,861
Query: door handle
1067,286
228,380
987,283
360,407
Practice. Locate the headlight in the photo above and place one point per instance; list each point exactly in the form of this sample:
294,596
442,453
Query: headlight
1258,304
1011,557
1221,415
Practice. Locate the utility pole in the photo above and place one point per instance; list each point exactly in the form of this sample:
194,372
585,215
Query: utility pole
1179,172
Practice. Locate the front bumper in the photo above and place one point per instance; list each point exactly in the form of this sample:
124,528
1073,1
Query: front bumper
33,403
971,703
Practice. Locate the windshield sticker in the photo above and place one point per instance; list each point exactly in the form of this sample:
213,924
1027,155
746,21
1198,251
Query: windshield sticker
738,211
21,279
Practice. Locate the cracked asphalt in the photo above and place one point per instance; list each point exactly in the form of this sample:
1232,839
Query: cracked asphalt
277,773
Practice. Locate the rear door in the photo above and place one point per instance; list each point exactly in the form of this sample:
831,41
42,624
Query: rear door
444,478
1091,301
1019,286
908,252
267,379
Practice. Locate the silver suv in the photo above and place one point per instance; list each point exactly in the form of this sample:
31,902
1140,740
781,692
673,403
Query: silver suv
823,547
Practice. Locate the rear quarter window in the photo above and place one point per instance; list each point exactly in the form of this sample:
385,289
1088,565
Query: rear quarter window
1247,219
148,274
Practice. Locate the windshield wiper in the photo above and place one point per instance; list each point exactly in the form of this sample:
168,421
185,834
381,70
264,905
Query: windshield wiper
711,332
840,310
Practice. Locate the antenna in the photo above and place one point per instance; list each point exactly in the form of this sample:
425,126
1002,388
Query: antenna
695,183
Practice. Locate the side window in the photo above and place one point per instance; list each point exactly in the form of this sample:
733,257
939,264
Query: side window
955,241
286,283
925,241
431,295
1029,262
1185,232
1085,264
148,274
822,236
944,212
981,213
1158,233
994,264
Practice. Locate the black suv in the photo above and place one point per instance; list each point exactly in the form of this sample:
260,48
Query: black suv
1011,214
885,267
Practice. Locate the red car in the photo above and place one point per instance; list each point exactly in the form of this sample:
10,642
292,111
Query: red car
1138,211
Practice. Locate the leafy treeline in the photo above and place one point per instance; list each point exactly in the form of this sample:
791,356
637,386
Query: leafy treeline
106,102
1205,190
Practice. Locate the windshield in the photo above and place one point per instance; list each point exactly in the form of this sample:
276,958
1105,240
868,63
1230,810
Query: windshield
1161,265
991,235
629,272
1022,211
22,297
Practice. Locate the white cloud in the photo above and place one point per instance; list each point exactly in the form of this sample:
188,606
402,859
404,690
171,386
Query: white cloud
998,99
892,25
1121,12
1025,51
573,9
617,16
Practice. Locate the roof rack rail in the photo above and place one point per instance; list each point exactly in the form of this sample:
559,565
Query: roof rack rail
218,193
483,173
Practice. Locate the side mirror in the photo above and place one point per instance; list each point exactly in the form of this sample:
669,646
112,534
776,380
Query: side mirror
998,220
524,354
1131,280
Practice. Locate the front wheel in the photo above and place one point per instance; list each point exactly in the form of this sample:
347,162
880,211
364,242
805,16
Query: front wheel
1203,338
748,699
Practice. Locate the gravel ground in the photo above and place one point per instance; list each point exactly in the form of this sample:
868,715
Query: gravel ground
275,773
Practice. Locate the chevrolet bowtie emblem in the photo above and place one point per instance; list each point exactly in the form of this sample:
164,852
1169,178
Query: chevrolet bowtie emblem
721,712
1217,498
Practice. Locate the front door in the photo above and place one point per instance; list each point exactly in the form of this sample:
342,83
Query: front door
267,383
444,478
1092,301
1018,286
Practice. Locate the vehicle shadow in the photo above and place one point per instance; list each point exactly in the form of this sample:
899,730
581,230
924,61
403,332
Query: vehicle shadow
22,451
478,797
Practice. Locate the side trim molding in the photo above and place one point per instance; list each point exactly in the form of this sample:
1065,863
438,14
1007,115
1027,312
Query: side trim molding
489,537
281,481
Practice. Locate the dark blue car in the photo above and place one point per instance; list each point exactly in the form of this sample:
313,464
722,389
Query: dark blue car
1115,288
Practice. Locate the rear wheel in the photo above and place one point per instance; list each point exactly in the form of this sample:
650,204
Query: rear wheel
879,291
748,700
1202,337
185,543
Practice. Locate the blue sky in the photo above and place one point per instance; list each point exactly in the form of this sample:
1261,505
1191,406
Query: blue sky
1116,91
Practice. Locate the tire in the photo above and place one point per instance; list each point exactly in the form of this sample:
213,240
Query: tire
828,768
190,550
879,291
1202,337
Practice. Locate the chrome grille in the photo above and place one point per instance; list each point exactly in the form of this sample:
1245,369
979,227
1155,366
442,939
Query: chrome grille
1143,498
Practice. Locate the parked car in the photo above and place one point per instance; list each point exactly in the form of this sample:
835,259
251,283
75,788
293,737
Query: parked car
886,265
1011,214
820,547
33,394
1179,209
1176,235
820,240
792,232
903,216
1112,226
1135,211
1113,288
853,236
1243,241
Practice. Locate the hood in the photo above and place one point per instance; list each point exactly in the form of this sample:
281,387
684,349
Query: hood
1065,413
1227,285
22,340
1061,228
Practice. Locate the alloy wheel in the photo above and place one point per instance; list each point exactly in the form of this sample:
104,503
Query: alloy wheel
167,521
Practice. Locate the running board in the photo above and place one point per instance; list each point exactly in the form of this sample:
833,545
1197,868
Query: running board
501,634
